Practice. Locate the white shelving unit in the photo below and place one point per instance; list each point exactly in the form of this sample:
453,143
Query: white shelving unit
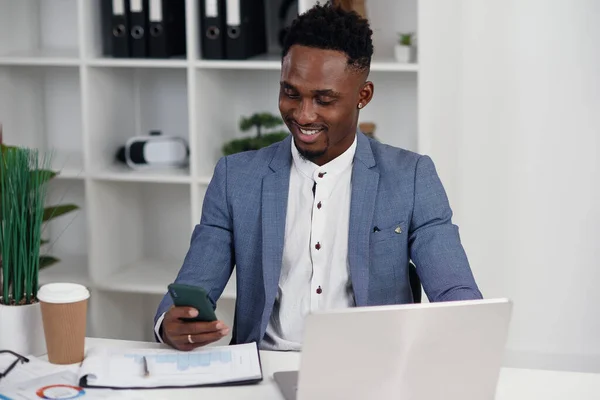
59,92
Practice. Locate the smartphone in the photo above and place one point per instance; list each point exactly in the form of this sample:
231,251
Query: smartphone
192,296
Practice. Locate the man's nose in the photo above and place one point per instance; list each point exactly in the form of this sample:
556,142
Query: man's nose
305,114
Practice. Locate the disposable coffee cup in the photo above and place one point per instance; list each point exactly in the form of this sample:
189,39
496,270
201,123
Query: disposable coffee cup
64,313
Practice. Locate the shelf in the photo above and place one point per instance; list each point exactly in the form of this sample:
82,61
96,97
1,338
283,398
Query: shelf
258,63
393,66
273,62
68,166
50,58
132,102
66,235
72,269
136,63
39,32
70,173
41,109
264,62
125,174
149,276
144,276
61,91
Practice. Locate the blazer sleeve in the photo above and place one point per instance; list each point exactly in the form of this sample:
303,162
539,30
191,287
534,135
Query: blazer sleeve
434,241
210,259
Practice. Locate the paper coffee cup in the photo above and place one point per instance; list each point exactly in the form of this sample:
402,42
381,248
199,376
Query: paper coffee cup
64,313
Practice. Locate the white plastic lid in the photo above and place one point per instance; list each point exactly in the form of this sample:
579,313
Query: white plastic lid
62,293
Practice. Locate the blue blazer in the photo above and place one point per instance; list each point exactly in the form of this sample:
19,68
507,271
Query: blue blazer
243,225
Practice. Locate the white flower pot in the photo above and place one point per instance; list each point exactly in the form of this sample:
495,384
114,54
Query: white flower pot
405,54
22,330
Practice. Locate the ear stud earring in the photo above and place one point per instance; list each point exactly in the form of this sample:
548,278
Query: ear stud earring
360,105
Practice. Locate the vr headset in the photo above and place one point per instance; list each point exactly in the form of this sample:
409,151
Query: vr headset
154,151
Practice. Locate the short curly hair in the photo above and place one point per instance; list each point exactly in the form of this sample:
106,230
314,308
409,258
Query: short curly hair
331,28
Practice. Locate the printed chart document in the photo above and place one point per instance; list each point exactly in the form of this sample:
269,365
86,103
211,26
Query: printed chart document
24,372
119,368
38,379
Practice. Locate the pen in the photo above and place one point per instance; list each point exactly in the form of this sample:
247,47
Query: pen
146,371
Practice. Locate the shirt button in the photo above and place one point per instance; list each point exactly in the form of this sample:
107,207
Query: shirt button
319,205
317,246
319,291
322,174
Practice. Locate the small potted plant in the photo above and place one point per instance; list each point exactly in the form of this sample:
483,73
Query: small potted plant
258,121
405,50
357,6
24,175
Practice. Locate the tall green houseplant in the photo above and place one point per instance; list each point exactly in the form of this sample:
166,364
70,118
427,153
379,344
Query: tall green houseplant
24,176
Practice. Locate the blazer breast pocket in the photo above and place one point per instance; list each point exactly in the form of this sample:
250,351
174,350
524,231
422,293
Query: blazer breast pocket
395,231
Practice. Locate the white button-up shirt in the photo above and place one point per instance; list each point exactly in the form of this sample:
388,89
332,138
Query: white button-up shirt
314,272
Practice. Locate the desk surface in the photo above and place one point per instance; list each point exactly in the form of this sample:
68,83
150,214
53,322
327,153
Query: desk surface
514,384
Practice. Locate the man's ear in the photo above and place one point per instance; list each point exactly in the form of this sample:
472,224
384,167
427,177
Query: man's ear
366,94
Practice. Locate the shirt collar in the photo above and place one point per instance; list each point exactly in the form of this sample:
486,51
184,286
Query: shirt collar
332,168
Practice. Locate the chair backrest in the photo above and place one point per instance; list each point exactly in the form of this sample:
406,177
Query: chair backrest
415,282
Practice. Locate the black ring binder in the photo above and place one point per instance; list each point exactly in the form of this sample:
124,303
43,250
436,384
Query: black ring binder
119,31
212,32
137,32
233,32
156,30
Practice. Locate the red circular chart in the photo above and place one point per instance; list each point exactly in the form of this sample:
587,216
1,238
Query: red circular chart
60,392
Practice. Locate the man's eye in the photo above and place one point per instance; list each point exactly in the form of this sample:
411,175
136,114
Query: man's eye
290,94
324,102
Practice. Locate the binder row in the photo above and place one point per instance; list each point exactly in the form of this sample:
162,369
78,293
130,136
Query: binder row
232,29
229,29
144,28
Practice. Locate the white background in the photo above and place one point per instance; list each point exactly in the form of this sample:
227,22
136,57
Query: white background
510,111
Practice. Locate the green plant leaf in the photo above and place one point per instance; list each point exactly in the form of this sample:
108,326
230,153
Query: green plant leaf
405,39
22,199
5,148
46,261
253,143
57,211
260,120
42,175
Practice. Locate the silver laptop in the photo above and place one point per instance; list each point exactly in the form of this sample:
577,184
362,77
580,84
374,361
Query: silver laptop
447,350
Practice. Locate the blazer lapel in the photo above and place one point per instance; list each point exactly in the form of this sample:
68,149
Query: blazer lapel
365,180
274,207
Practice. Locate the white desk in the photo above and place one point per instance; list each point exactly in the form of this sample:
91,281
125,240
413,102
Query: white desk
514,384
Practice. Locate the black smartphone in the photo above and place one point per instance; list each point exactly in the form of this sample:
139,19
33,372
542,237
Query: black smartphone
192,296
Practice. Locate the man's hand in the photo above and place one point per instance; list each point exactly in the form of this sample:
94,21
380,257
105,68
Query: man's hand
175,331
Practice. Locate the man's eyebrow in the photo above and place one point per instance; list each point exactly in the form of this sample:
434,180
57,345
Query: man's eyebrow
287,85
327,92
320,92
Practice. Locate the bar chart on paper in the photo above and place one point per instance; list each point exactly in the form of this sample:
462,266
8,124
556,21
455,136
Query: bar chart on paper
211,362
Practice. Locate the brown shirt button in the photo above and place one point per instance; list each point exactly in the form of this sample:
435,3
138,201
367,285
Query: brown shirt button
319,205
319,291
318,246
322,174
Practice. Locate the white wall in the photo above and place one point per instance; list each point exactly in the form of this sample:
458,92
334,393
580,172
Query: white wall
510,112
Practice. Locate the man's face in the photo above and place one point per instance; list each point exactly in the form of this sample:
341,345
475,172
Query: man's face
318,100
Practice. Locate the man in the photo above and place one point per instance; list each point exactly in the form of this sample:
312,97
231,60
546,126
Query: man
327,218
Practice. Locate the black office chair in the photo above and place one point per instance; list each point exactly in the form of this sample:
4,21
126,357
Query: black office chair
415,282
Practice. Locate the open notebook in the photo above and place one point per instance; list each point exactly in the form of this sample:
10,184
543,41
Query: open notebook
118,368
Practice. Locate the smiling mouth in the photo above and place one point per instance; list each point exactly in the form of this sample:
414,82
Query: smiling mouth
308,135
309,132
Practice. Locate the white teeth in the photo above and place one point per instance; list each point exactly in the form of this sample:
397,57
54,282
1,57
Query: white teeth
309,132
